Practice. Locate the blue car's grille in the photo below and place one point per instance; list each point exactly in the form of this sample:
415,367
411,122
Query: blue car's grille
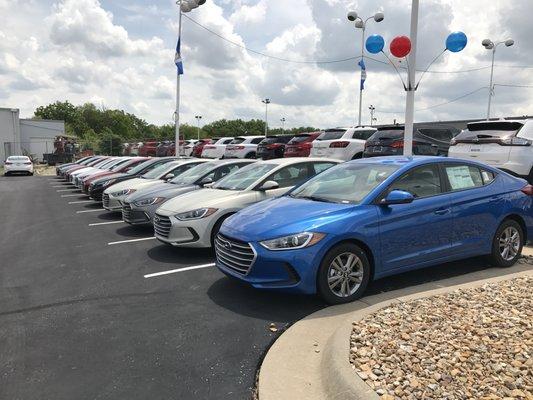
236,255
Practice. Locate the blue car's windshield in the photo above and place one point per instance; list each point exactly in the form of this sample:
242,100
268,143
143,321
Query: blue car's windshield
346,183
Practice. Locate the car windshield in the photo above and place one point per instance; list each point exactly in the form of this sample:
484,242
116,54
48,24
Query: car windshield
237,140
331,134
18,158
300,138
139,168
119,165
192,175
159,171
346,183
489,130
244,177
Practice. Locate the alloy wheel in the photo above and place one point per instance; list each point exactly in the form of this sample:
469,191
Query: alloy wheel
509,243
345,274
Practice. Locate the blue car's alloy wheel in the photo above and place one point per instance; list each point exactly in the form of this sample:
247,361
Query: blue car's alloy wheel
344,274
507,244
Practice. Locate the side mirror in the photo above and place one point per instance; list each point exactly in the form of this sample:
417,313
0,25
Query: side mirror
206,181
397,197
269,185
169,176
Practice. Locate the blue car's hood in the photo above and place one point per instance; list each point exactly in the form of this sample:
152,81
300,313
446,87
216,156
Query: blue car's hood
284,216
163,189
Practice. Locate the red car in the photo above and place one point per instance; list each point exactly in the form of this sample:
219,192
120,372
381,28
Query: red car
199,147
148,149
122,168
300,145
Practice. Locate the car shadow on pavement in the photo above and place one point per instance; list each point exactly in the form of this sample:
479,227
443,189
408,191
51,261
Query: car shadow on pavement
170,255
110,216
135,232
242,298
91,206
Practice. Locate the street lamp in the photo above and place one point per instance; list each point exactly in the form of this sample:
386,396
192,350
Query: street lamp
372,111
184,6
198,118
490,45
282,124
361,24
266,102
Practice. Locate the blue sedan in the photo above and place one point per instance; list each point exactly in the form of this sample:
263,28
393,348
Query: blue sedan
370,218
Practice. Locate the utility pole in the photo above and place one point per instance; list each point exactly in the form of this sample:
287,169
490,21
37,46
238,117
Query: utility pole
282,125
266,102
198,118
372,111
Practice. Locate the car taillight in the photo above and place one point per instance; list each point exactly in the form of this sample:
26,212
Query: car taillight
515,141
527,190
209,147
273,146
27,163
400,143
453,142
237,148
8,163
342,144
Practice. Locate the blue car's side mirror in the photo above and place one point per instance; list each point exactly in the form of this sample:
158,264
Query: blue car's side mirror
397,197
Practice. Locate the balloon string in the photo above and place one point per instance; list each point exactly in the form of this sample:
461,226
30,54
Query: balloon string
397,71
430,64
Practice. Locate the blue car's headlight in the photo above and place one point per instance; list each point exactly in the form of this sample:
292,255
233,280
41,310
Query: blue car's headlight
291,242
124,192
196,214
149,202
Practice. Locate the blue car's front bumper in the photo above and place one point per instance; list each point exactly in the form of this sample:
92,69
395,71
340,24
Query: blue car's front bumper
290,270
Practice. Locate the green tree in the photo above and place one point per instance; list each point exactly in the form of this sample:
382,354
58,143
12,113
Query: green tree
110,143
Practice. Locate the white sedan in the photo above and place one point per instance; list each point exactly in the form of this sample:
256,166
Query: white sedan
193,219
18,164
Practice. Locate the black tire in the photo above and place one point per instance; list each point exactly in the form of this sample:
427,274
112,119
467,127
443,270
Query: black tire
250,155
323,287
357,156
216,228
530,178
6,173
496,258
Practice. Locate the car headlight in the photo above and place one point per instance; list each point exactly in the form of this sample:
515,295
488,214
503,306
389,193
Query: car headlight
291,242
149,202
124,192
196,214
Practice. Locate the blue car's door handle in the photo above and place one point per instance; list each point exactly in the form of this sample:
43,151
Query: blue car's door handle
442,211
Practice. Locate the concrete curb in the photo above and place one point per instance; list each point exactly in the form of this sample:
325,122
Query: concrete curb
340,380
311,359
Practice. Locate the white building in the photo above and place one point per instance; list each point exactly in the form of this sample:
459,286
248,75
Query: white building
27,136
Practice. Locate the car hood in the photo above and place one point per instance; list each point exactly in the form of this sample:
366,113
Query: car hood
135,183
198,199
284,216
112,176
166,190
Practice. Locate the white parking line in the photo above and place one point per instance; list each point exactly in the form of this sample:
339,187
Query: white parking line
68,190
59,186
131,240
87,211
81,201
174,271
106,223
72,195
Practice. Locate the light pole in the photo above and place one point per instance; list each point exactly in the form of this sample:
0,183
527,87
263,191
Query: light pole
361,24
266,102
198,118
490,45
411,85
372,111
282,124
184,6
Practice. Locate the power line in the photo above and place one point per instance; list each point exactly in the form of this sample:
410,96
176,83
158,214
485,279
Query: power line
342,59
511,85
437,105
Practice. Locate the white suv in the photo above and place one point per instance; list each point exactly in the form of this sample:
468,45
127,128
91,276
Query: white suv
187,147
243,147
217,149
504,144
342,143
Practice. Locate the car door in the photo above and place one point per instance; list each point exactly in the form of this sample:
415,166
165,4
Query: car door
477,203
420,231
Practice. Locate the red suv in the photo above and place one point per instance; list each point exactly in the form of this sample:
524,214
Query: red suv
199,147
300,145
148,149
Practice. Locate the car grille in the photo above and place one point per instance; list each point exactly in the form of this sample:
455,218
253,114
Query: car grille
105,200
236,255
162,225
126,212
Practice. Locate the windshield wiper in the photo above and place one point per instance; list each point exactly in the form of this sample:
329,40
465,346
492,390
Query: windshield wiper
313,198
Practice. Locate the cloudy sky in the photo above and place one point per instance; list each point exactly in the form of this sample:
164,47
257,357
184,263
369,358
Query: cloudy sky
119,54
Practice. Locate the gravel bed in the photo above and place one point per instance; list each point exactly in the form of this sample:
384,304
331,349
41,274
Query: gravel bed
468,344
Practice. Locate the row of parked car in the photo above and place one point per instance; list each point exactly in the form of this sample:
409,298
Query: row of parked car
313,224
506,144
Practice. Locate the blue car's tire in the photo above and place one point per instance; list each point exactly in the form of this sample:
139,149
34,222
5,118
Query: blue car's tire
507,244
343,274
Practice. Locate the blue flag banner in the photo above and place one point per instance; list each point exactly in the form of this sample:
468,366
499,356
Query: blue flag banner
361,63
177,58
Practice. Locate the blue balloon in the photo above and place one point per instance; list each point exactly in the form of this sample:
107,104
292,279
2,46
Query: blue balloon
456,41
374,44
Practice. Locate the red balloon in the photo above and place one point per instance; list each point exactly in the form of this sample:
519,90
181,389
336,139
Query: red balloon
400,46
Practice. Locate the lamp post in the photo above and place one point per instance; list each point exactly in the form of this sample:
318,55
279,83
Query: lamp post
266,102
184,6
411,84
198,118
282,125
372,111
361,24
490,45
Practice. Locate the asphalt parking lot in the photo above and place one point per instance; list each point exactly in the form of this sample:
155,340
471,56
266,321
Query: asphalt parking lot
82,315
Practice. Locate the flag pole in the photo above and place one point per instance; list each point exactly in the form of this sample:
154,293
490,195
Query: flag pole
177,113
